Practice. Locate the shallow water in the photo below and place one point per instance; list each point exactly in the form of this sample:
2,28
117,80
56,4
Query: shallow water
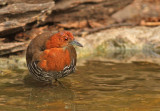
96,86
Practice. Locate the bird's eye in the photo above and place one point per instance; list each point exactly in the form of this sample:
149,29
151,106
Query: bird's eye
66,38
42,48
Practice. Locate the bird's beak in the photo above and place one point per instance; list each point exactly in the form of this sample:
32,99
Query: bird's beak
74,42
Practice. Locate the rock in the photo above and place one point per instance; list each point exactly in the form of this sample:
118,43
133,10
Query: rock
138,9
10,48
17,17
93,10
120,39
14,62
20,15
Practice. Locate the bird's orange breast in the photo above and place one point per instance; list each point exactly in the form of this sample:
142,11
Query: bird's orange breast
54,59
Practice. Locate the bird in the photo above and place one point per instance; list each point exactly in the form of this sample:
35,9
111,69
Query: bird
52,56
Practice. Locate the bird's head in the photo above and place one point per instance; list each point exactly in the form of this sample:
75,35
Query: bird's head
62,39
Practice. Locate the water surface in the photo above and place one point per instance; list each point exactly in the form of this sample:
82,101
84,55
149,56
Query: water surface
96,86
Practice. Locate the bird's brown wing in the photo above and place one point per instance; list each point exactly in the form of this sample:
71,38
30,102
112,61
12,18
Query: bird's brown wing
37,46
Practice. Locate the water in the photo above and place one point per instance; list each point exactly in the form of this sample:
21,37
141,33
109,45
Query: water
97,85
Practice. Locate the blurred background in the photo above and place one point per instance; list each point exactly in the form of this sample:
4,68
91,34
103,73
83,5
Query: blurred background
118,67
22,20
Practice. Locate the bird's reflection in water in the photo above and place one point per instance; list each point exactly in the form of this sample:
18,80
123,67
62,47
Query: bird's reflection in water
57,96
33,96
